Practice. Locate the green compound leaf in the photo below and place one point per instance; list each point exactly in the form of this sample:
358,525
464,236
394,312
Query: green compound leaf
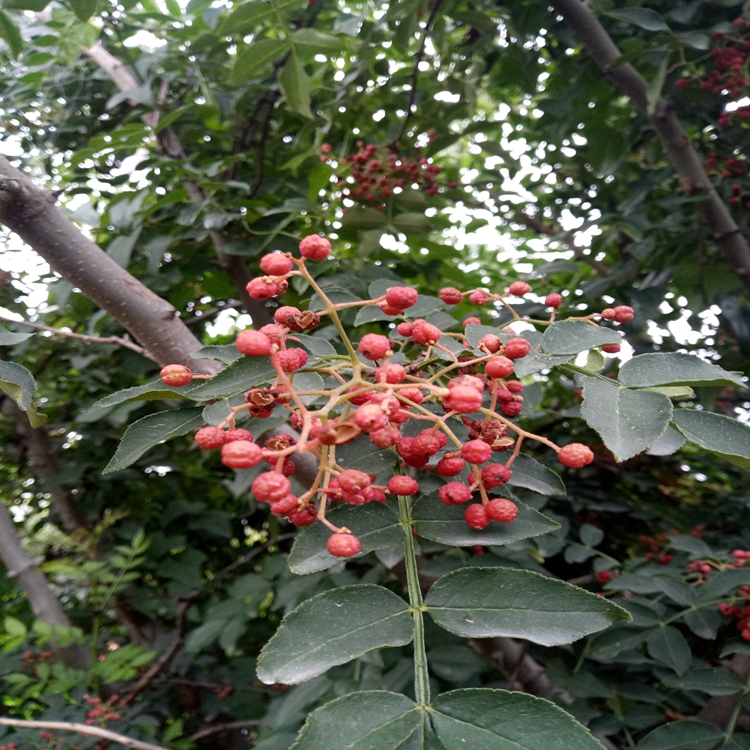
240,376
711,681
150,431
333,628
573,336
445,523
248,15
628,421
675,369
529,473
489,602
295,84
681,735
482,719
256,57
370,720
668,645
722,435
375,525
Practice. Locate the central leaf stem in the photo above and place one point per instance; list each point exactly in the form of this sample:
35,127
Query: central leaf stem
421,675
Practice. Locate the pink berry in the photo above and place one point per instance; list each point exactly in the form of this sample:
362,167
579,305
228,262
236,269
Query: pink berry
291,359
374,346
608,313
401,297
454,493
519,288
391,373
479,298
281,315
405,329
209,438
450,295
517,348
425,333
514,386
611,348
553,300
464,399
240,454
263,287
495,475
501,509
469,380
471,321
282,508
428,442
489,343
343,545
499,367
512,408
253,343
575,455
385,437
270,487
230,436
389,310
412,394
369,417
274,332
315,247
276,264
476,516
403,486
354,480
176,375
624,314
450,467
476,451
308,515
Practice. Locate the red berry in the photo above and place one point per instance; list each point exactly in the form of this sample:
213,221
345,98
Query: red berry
176,375
489,343
450,295
240,454
519,288
373,494
253,343
681,83
608,313
463,399
425,333
391,373
471,321
514,386
476,516
210,437
304,517
239,434
501,509
354,480
575,455
499,367
624,314
270,487
315,247
473,382
412,394
385,437
326,148
479,298
476,451
343,545
403,486
512,408
405,329
611,348
263,287
428,442
369,417
454,493
374,346
450,467
517,348
401,297
291,359
281,315
276,264
274,332
495,475
553,300
388,310
604,577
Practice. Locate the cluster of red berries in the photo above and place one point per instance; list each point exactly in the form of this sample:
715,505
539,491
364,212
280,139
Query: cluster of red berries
31,659
102,712
371,395
657,545
741,612
222,693
374,173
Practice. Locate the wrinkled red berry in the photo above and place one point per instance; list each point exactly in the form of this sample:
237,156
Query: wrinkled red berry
450,467
476,516
270,487
553,300
276,264
401,297
575,455
403,485
450,295
240,454
501,509
209,438
517,348
425,333
495,475
176,375
454,493
315,247
374,346
519,288
343,545
499,367
463,399
476,451
253,343
304,517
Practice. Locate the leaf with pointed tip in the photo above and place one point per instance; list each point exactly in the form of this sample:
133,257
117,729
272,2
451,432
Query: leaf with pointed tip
446,524
255,58
722,435
670,442
529,473
248,15
18,383
153,391
711,681
240,376
295,84
668,645
675,369
628,421
490,602
9,338
150,431
333,628
573,336
681,735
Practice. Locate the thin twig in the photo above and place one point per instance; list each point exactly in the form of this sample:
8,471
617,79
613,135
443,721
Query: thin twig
223,728
84,729
161,664
118,340
415,73
213,312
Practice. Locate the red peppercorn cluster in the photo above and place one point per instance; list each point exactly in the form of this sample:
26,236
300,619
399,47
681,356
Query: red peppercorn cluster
404,403
102,711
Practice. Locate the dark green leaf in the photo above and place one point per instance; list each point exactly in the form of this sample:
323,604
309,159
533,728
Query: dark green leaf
670,442
256,57
240,376
668,645
727,437
226,353
628,421
10,34
153,391
489,602
333,628
363,218
412,223
704,622
364,455
84,9
250,14
681,735
481,719
18,383
573,336
375,525
644,17
372,720
445,523
529,473
9,338
675,369
711,681
314,344
150,431
295,84
315,42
